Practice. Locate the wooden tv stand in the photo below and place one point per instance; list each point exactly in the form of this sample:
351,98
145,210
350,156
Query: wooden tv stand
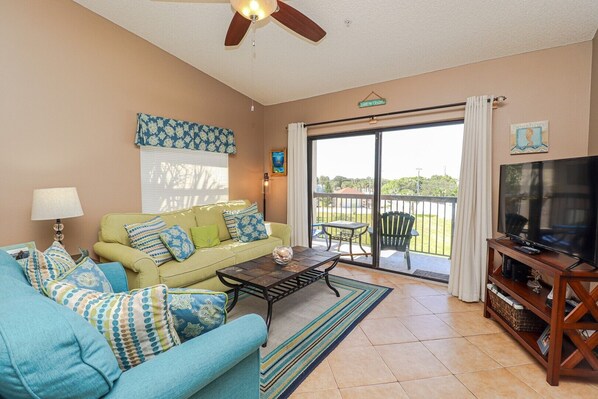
571,356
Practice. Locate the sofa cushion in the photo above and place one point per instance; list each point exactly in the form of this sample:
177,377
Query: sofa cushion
50,264
212,214
231,220
184,218
205,236
251,227
47,350
137,326
87,275
200,266
112,226
245,251
146,237
196,311
178,243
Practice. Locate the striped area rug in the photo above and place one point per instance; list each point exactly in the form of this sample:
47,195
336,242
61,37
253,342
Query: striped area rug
306,327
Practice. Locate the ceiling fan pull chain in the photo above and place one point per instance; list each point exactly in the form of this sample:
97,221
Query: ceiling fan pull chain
252,61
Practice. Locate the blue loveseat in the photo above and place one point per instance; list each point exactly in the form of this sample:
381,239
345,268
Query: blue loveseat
49,351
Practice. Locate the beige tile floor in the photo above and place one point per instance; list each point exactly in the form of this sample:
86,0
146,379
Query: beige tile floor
421,343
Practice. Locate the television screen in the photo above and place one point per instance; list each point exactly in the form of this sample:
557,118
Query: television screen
551,204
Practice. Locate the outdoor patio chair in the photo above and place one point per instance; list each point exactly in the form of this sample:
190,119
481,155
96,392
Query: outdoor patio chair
318,231
396,230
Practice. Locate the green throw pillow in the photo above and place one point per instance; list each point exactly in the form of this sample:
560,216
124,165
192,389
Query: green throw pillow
205,236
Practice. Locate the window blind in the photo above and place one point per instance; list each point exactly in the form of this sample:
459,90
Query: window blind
174,179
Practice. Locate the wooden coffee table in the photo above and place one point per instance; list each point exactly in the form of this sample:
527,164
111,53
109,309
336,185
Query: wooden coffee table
264,279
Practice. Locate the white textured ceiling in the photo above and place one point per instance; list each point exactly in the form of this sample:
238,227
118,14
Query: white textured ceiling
387,39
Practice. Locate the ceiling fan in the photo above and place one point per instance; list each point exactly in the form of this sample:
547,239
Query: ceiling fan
250,11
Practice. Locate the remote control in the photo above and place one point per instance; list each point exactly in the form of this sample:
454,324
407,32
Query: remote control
528,250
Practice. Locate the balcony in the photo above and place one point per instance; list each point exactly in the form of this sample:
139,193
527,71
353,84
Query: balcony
434,221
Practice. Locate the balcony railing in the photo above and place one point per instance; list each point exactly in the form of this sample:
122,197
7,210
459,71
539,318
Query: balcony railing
434,216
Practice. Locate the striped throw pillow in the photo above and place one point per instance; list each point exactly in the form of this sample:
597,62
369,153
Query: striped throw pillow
146,237
48,265
231,222
137,326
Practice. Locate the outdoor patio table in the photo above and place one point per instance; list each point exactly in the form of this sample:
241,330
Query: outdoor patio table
348,232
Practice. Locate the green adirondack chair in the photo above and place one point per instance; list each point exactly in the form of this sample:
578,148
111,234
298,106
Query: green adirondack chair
396,231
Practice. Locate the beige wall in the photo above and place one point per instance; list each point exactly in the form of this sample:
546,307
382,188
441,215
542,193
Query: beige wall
71,84
551,84
593,144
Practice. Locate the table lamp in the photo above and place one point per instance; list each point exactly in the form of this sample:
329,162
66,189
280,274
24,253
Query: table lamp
56,204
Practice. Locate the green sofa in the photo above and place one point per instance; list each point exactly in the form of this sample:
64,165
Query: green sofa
199,271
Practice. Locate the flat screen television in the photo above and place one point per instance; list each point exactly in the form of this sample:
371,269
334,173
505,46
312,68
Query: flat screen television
552,205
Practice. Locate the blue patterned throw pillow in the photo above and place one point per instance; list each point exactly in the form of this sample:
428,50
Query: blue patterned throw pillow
138,326
178,242
196,311
87,275
231,223
251,227
146,237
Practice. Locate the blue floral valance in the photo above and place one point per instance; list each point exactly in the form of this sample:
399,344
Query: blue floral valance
156,131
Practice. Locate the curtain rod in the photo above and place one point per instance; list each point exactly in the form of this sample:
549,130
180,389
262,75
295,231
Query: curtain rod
498,99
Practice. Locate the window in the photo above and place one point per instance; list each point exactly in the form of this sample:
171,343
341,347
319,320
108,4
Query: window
174,179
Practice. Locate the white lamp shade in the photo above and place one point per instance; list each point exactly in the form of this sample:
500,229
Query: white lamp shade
55,203
259,9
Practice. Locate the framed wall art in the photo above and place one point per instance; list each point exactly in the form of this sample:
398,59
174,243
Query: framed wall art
528,138
278,161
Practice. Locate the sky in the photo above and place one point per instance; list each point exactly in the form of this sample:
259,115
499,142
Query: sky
435,150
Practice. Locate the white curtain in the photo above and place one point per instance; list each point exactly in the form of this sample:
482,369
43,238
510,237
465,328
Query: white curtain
297,184
473,224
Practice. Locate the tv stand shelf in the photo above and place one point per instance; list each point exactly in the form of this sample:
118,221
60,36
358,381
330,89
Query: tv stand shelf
568,354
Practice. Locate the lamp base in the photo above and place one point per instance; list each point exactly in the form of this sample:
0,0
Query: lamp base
58,227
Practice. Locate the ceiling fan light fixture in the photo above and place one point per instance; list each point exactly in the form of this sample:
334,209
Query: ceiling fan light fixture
254,10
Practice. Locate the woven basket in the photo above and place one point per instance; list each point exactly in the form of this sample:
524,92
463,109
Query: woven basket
519,319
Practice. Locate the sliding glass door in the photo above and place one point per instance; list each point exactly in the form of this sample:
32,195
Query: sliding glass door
419,178
387,198
342,195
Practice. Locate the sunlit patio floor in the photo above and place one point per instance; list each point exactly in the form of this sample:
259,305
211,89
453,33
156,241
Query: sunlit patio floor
433,266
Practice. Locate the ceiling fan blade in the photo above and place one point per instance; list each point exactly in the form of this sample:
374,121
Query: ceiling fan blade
237,30
298,22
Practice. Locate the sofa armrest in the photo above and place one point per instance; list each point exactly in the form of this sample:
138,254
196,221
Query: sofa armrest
282,231
115,273
138,262
186,369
